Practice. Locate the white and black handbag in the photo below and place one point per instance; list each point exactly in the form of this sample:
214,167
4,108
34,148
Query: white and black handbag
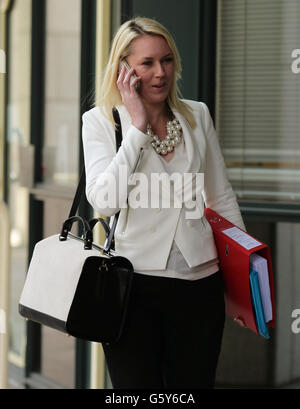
76,286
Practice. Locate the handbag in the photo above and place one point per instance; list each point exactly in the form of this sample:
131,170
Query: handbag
76,286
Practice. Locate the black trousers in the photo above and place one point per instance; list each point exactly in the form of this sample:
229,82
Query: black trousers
172,334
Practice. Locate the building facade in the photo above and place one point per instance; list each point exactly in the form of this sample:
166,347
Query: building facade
240,57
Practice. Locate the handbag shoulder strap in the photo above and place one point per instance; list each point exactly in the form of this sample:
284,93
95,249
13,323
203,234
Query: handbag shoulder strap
78,194
82,179
118,134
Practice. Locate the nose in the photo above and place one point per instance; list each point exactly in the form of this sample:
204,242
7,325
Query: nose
159,70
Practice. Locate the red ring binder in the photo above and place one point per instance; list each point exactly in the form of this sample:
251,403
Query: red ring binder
234,259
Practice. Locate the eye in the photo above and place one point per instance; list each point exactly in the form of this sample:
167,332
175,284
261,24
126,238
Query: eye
168,59
147,63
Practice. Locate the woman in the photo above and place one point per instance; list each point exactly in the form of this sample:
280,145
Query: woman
174,325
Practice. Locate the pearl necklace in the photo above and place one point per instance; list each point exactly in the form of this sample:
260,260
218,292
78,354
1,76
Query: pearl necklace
173,138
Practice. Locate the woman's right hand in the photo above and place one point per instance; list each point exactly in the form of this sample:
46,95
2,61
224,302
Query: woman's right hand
131,99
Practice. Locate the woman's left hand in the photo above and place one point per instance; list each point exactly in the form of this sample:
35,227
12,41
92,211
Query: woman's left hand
240,321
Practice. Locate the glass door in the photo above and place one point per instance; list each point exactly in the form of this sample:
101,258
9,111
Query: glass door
59,158
17,150
42,139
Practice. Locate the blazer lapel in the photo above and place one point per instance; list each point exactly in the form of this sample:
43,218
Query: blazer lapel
191,147
152,163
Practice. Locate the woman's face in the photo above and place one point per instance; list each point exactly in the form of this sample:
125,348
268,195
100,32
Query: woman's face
152,60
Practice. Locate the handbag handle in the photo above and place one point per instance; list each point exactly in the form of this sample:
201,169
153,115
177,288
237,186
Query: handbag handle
82,181
94,221
87,232
92,224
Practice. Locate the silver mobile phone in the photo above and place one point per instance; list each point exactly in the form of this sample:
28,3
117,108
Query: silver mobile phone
128,68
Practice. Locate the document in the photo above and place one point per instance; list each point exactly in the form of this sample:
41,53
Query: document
257,304
242,238
259,264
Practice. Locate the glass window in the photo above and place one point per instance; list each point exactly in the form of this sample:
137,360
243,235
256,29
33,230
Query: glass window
18,138
58,357
62,92
60,154
258,98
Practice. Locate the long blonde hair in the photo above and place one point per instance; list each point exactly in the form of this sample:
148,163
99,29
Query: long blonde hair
120,48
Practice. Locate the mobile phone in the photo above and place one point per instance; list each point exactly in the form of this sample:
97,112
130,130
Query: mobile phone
128,68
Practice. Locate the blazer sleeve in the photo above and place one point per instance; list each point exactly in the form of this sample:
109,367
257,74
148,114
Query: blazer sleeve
218,192
108,172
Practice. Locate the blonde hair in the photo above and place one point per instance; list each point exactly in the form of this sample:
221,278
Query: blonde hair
121,48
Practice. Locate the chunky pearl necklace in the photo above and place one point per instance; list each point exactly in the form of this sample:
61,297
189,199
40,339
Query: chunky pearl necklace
173,138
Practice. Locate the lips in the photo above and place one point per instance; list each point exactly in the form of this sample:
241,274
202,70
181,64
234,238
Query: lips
159,85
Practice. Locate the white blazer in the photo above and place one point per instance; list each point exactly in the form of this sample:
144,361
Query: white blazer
145,235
